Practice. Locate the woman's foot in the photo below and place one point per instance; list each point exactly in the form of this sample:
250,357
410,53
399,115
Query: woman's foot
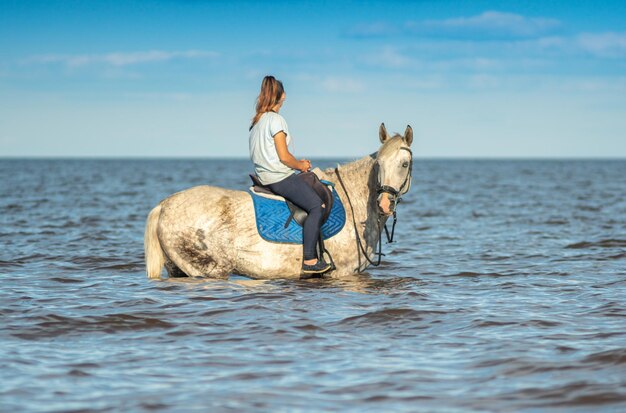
317,267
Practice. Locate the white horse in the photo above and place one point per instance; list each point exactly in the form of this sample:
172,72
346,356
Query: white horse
211,231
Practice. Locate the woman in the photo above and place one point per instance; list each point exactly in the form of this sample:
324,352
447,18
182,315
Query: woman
274,165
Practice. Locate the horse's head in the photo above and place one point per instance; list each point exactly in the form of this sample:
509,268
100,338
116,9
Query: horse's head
394,164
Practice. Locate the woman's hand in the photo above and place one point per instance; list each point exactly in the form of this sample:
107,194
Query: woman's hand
304,165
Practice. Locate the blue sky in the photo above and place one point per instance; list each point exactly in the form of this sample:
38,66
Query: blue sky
179,78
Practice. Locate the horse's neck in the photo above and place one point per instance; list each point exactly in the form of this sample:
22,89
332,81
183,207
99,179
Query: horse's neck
360,185
356,177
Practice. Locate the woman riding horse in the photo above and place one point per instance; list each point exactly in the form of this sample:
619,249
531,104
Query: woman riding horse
274,166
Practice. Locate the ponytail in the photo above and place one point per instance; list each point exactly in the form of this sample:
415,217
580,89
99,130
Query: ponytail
271,92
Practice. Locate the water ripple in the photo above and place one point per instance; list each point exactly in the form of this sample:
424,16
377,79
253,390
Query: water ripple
504,291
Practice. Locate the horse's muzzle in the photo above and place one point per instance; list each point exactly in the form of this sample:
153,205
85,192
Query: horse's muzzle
386,203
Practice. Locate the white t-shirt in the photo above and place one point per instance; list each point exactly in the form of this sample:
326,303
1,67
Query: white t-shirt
267,164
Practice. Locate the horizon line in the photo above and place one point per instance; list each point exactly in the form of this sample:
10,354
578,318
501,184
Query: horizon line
331,158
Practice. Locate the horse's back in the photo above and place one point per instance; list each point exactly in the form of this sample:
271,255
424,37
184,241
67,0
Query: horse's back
206,206
203,193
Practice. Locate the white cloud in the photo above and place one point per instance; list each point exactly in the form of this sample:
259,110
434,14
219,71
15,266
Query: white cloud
342,84
330,83
373,30
159,96
484,81
474,57
424,83
389,57
599,45
603,44
119,59
475,63
487,24
550,42
491,23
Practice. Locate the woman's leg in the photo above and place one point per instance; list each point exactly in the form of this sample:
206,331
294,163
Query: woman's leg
306,198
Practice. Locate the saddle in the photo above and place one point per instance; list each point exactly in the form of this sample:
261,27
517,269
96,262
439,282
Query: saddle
280,221
296,213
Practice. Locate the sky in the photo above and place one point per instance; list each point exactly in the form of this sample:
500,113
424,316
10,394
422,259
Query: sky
474,79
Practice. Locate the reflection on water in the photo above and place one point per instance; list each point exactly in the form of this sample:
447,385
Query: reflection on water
504,292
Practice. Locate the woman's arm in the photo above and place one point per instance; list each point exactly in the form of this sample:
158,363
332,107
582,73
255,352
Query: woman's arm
280,140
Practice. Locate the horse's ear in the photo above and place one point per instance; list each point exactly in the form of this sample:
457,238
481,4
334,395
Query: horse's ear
408,135
382,132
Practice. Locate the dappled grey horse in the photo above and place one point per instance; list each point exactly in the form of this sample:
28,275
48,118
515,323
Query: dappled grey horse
211,231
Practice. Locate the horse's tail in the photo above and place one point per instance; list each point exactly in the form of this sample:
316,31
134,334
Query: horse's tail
155,258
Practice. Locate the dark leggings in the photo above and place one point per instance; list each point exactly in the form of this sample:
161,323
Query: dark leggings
301,194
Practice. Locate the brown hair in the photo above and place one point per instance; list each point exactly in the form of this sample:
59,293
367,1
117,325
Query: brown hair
271,92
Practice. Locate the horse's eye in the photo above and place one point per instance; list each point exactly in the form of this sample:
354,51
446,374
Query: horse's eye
405,165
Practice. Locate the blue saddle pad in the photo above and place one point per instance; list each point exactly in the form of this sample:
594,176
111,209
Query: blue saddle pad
271,215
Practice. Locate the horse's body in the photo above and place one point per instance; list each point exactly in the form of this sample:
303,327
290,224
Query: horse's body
211,231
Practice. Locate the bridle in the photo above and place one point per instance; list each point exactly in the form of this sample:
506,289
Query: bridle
380,189
395,193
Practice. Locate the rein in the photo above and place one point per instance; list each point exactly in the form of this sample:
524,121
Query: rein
396,193
356,231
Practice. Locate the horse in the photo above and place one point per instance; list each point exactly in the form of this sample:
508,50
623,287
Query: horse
209,231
